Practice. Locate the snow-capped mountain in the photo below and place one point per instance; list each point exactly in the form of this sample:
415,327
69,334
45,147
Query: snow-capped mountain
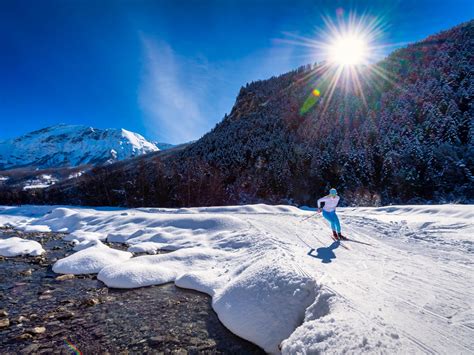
72,145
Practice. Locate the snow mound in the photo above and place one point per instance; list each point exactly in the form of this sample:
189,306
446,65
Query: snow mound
147,247
90,260
158,269
82,236
35,228
265,303
63,218
14,216
81,245
17,246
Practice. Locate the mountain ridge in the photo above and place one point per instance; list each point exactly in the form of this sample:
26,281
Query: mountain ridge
66,145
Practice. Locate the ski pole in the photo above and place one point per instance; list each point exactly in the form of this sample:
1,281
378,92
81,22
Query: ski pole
304,219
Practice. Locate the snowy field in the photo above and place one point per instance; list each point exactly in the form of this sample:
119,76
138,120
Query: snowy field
403,285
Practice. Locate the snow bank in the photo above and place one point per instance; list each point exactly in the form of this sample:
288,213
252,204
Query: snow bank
417,213
90,260
35,228
238,209
17,246
158,269
15,216
265,303
35,185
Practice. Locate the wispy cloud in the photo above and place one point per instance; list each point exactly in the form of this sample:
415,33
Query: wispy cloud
170,95
182,98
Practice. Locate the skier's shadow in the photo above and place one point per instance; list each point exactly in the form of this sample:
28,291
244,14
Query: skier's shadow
325,254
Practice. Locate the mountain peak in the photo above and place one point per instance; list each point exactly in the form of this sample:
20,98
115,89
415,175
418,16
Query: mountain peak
72,145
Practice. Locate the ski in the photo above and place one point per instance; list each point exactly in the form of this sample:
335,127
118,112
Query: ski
354,241
340,243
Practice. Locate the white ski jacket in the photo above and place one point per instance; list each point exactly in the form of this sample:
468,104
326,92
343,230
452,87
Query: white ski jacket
330,203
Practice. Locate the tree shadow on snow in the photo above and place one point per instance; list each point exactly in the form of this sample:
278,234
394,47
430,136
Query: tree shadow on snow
326,254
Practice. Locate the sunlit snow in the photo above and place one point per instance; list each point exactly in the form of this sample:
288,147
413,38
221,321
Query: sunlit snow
404,285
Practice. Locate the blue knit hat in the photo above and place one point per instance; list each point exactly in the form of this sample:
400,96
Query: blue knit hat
333,192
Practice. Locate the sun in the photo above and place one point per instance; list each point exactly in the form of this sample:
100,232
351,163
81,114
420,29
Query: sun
347,41
348,50
352,41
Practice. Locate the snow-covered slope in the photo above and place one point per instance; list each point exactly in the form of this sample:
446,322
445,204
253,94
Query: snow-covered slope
71,145
403,285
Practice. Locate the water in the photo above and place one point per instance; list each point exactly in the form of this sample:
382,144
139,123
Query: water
82,312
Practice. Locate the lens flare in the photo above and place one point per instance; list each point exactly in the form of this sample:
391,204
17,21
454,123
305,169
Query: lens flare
310,101
72,347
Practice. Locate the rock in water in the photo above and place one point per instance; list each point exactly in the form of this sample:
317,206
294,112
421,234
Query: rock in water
38,330
4,323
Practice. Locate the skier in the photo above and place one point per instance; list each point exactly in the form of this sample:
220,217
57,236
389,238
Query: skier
329,212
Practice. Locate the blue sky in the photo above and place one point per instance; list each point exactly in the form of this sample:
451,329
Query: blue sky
169,70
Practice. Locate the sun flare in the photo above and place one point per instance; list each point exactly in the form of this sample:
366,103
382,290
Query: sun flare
348,50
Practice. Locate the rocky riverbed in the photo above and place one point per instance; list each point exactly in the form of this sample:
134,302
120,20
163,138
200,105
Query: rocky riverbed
43,312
